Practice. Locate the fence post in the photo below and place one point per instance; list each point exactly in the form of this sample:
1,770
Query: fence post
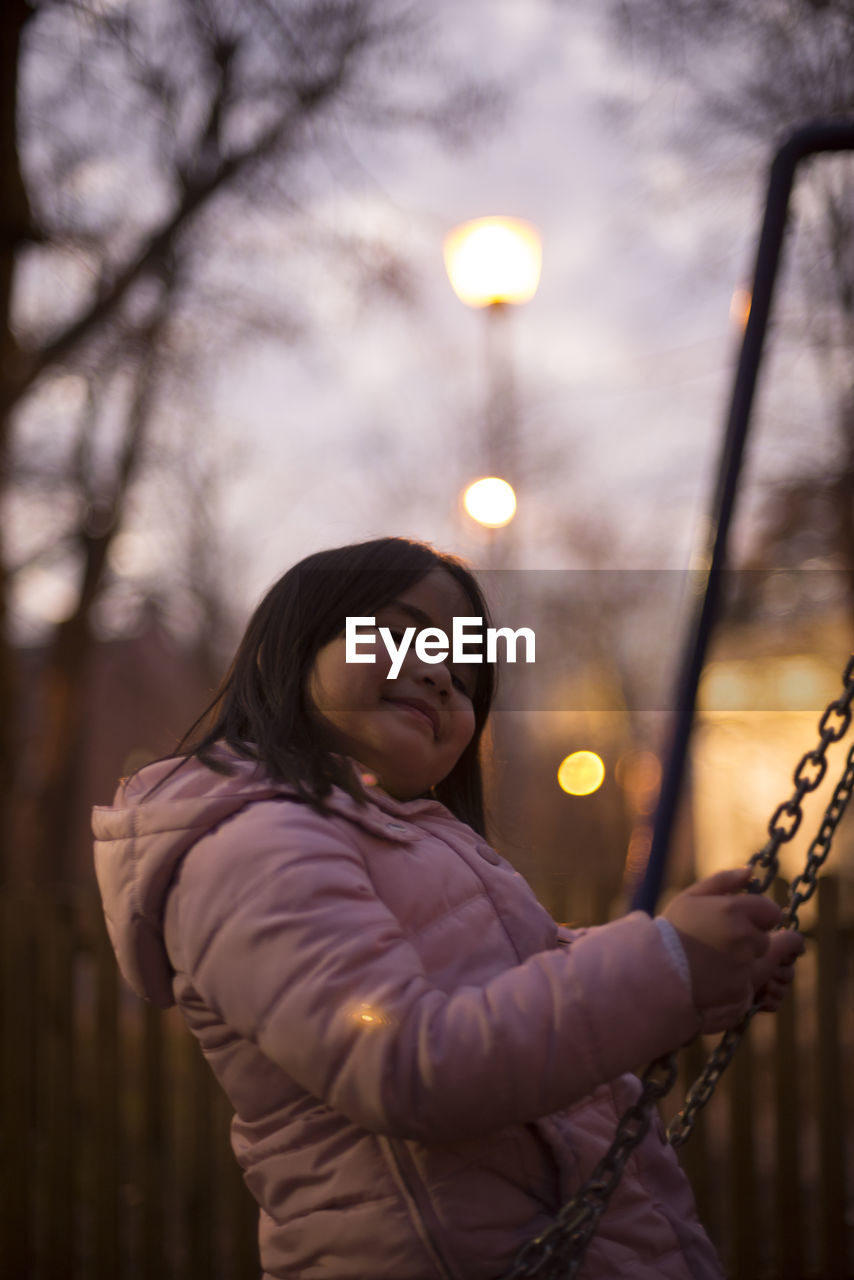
831,1102
108,1145
237,1209
18,1049
57,1138
744,1236
789,1218
198,1198
153,1157
695,1156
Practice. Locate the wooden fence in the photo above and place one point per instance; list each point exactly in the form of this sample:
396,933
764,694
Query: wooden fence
115,1158
115,1155
772,1160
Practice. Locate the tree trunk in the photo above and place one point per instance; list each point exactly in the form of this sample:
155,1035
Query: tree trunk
15,228
63,695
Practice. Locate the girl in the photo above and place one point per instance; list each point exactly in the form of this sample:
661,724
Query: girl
423,1066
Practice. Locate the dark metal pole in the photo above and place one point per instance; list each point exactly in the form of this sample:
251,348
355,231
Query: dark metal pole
819,136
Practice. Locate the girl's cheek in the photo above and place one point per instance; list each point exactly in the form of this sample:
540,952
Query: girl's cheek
381,664
467,725
382,667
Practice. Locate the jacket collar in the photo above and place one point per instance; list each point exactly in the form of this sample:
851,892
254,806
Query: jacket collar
383,815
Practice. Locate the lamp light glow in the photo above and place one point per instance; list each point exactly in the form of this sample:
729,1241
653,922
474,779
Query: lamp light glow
581,773
494,260
490,501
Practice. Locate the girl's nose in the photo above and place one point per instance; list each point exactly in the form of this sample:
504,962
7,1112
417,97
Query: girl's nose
437,676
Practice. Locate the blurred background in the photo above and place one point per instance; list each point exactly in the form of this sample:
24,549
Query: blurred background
238,323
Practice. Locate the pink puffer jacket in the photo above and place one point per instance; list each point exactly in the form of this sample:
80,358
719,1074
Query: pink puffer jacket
422,1066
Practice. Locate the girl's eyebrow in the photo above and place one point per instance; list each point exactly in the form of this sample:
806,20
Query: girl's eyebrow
412,611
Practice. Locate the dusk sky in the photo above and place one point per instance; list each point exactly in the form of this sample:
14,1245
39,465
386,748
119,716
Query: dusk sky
623,360
372,421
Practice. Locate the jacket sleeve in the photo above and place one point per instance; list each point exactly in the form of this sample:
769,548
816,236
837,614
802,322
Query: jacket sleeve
282,934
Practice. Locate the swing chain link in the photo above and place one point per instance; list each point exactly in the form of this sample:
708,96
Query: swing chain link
557,1253
820,847
680,1127
833,725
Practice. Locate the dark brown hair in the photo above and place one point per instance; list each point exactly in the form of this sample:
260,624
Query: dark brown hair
260,709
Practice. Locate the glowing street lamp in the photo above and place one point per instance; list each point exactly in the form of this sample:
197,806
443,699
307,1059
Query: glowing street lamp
491,261
581,773
491,502
492,264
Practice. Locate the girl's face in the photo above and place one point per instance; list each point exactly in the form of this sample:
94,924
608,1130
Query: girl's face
412,730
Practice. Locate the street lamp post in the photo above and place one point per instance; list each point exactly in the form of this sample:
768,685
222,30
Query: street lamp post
493,264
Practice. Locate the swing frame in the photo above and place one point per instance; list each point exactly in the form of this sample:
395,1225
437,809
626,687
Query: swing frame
819,136
558,1252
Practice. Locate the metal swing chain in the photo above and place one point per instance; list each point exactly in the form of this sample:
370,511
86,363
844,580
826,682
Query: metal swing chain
780,832
557,1252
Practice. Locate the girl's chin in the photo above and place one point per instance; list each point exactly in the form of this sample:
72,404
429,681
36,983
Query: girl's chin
399,789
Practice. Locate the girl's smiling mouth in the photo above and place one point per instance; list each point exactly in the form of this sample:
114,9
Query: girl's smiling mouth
418,707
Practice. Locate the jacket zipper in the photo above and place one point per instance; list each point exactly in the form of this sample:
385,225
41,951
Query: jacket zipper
398,1158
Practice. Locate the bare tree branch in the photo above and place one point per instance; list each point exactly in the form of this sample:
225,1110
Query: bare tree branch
155,134
197,194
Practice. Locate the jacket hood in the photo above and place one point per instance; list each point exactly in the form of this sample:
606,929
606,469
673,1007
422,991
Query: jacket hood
156,817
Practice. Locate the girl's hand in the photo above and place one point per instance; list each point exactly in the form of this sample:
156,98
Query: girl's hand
725,933
773,974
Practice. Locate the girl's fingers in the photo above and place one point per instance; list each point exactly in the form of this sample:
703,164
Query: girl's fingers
731,881
787,945
772,991
759,943
760,911
776,969
772,996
